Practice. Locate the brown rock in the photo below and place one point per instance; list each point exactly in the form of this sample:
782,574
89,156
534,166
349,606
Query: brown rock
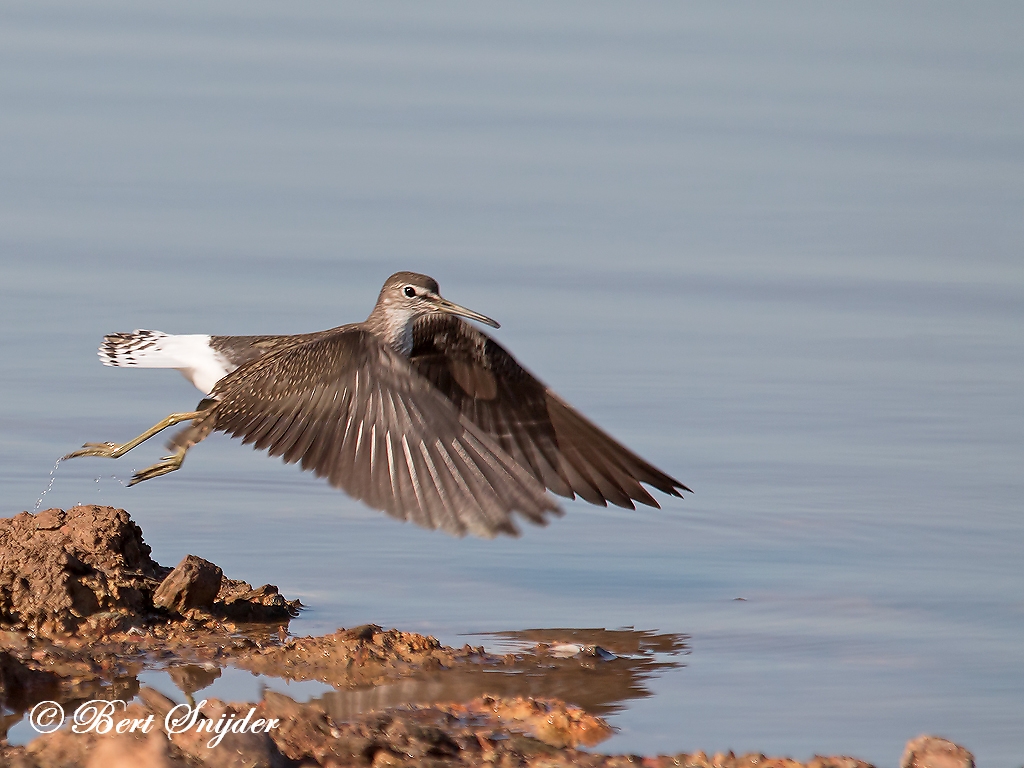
57,568
837,762
238,601
365,655
87,572
935,752
485,730
307,732
548,720
205,747
133,751
194,583
234,750
68,749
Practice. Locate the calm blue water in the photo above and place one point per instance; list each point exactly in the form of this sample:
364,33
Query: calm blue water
776,250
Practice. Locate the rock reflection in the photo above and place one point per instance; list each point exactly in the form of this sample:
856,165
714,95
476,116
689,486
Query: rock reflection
189,678
17,699
597,669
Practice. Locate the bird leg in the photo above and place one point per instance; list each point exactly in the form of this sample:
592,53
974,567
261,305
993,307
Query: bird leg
180,443
113,450
162,467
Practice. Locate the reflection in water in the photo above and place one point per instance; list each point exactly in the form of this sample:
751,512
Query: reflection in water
16,702
596,669
190,678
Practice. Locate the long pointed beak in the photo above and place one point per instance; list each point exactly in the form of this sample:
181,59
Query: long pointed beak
443,305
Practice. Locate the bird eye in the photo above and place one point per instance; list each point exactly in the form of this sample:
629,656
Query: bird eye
409,291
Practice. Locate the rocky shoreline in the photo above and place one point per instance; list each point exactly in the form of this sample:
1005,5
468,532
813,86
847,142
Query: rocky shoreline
84,610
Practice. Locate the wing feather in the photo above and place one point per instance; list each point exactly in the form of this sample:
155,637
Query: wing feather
352,410
542,433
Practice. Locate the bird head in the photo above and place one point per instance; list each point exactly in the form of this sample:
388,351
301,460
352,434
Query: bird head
408,296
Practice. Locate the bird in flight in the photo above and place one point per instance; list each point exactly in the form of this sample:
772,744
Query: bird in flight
413,411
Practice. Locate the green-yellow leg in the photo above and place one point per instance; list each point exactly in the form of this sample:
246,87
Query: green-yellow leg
162,467
113,450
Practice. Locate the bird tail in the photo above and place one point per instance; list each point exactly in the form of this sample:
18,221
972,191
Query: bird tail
150,349
192,355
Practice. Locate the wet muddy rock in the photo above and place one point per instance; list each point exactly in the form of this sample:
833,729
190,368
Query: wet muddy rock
935,752
484,731
58,568
193,584
88,571
85,610
367,655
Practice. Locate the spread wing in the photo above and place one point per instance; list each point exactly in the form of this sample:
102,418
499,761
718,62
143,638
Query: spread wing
562,449
352,410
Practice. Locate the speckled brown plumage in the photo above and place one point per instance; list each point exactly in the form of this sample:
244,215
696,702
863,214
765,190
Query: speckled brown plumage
561,448
420,414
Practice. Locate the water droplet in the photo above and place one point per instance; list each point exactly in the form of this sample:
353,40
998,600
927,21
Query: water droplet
49,485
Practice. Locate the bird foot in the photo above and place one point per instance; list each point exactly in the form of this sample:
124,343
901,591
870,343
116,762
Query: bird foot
109,450
162,467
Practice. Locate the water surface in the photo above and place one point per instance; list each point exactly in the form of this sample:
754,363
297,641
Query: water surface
775,251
